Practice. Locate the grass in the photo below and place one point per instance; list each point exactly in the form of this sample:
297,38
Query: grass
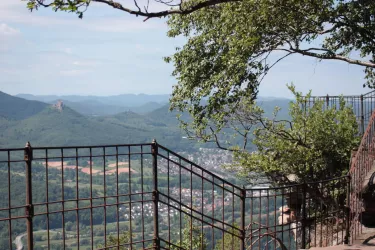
70,241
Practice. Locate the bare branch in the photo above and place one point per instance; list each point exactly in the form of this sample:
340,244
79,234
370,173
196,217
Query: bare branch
332,56
218,143
278,60
136,4
164,13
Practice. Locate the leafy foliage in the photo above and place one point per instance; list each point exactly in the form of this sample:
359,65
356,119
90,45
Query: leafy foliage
192,237
121,241
316,144
231,47
230,241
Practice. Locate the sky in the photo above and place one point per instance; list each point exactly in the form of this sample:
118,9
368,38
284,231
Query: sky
110,52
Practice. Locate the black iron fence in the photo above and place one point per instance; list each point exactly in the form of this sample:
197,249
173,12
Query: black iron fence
362,173
362,169
363,106
145,196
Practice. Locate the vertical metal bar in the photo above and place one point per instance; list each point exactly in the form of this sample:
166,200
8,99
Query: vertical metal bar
309,201
222,215
289,192
169,202
28,155
9,205
202,205
77,201
213,212
347,224
232,240
321,217
327,100
242,225
155,195
63,196
180,183
275,215
303,221
47,200
282,214
105,199
260,218
359,184
130,200
91,217
297,215
142,190
362,117
267,214
251,213
191,204
117,201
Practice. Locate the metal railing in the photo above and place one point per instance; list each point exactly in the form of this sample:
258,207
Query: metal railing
300,216
145,196
363,106
362,171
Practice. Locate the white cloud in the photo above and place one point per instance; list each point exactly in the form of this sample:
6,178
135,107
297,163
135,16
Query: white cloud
9,37
74,72
68,50
15,11
86,63
6,30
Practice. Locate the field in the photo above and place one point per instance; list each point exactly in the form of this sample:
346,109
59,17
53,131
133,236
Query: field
110,168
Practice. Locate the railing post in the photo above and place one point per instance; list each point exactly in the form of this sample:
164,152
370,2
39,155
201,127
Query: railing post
242,226
327,100
362,117
29,209
155,193
303,220
347,214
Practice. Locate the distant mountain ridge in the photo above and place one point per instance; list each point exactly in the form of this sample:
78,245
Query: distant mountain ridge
16,108
105,105
46,124
59,125
96,108
125,100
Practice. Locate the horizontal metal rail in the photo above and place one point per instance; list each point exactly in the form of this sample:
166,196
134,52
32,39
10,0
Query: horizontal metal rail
145,196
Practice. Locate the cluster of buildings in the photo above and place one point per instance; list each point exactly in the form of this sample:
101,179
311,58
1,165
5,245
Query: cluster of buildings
136,210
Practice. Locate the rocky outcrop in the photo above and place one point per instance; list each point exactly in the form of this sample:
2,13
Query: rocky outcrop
59,105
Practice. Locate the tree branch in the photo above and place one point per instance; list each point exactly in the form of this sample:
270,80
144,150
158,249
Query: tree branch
332,56
165,13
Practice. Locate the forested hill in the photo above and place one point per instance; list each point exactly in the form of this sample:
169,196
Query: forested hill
44,125
16,108
53,127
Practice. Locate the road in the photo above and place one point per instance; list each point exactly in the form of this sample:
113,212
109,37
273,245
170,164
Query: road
18,241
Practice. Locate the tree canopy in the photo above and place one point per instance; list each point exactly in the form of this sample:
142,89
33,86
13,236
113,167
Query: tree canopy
231,44
315,144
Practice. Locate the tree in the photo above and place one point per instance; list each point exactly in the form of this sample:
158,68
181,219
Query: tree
230,240
192,237
123,241
315,144
232,44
